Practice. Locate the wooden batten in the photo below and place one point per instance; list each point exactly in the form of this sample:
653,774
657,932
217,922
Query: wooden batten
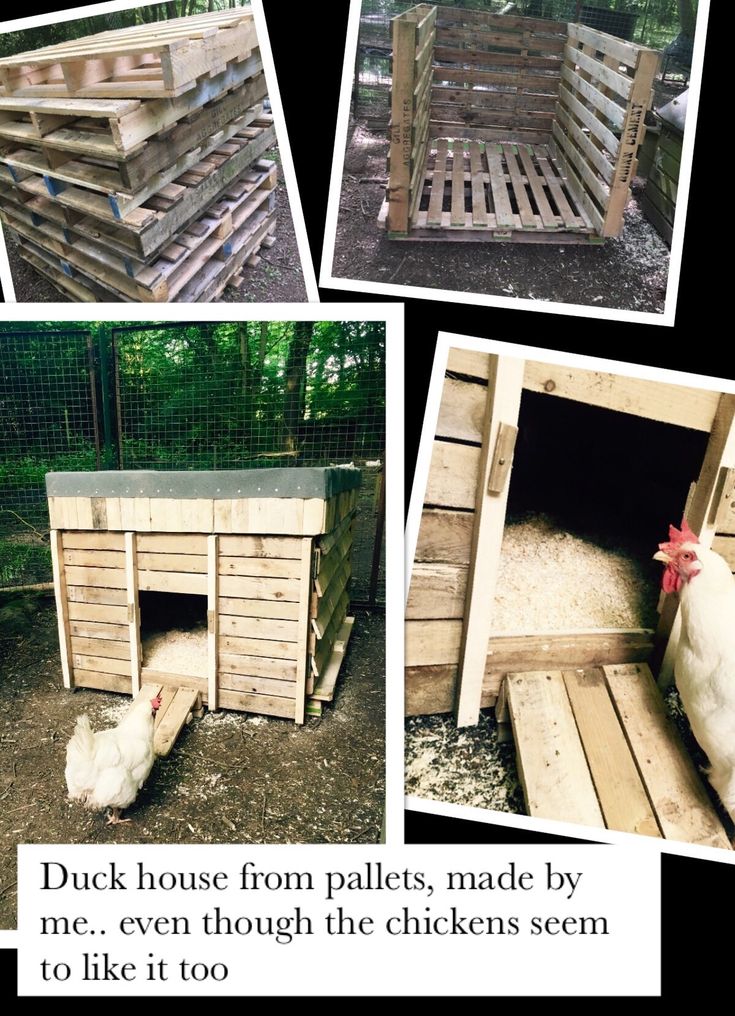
303,629
131,574
62,606
212,619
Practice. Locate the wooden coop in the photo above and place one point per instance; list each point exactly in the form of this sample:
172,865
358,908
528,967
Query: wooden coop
659,197
511,128
594,743
262,554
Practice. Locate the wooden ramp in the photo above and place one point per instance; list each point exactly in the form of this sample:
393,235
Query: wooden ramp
596,747
327,681
178,706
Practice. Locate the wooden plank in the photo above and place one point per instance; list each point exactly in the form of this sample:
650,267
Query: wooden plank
314,516
302,663
444,536
101,664
504,217
614,113
91,594
112,648
525,211
437,591
97,612
331,563
107,578
256,666
625,52
568,216
551,762
583,153
608,76
95,558
430,690
632,132
190,544
103,682
260,546
457,202
190,563
479,201
468,362
599,131
568,649
258,627
62,605
655,400
259,608
213,638
133,605
240,646
620,792
172,582
270,705
438,180
401,124
503,404
101,629
724,511
679,799
590,193
432,643
725,547
333,538
85,519
174,720
255,588
536,183
259,685
166,693
268,567
453,472
328,603
325,686
92,541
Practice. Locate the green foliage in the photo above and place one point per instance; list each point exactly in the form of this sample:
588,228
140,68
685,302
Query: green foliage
23,563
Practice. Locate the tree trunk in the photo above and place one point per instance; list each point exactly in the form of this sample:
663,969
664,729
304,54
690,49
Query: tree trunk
294,397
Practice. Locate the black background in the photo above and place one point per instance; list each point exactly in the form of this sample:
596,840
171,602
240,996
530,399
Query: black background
308,45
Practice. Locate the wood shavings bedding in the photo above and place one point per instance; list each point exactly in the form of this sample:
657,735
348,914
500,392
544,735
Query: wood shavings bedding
552,580
177,652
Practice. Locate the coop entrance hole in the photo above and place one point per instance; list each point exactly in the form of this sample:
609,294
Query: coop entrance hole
173,632
591,494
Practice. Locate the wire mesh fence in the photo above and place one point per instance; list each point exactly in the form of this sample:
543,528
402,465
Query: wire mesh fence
189,396
661,24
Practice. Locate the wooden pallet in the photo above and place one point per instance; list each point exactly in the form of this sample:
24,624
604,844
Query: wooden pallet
596,747
114,128
127,185
178,708
144,232
159,60
210,236
497,191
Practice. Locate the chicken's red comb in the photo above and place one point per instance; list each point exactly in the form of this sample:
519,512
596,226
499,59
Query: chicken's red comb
156,702
678,536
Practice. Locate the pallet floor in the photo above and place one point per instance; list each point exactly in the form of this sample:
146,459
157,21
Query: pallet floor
596,747
491,190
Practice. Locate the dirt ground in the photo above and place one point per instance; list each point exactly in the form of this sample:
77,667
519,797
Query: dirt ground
626,273
278,277
231,778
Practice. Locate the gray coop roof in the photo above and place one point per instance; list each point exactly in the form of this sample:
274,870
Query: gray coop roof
297,482
674,113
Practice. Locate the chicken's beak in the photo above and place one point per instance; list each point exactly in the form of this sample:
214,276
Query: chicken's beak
661,555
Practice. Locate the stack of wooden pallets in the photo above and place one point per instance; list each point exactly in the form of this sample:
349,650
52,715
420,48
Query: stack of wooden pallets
130,161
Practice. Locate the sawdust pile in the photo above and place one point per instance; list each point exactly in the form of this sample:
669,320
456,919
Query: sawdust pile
177,652
552,580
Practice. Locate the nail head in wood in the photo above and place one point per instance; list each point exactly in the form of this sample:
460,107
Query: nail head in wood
502,458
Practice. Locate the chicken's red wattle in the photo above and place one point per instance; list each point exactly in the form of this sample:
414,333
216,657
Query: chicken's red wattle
671,580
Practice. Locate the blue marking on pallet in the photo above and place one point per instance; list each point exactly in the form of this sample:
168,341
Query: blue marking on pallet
68,235
67,269
114,206
129,268
227,248
53,186
36,219
14,175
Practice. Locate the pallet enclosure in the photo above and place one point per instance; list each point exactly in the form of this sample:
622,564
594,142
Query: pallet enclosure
269,549
511,128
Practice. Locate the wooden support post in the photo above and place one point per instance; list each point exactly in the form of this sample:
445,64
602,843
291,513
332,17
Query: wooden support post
505,384
701,516
62,607
401,124
631,136
131,581
212,621
302,667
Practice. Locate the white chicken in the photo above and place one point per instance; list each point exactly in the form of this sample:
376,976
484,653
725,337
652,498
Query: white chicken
704,667
107,769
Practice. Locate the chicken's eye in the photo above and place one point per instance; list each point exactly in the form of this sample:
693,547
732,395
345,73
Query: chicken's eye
686,556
